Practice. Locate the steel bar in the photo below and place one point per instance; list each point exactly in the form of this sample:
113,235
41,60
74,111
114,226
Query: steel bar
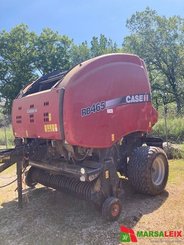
19,183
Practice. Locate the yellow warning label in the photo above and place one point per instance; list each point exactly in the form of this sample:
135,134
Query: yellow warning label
50,117
50,128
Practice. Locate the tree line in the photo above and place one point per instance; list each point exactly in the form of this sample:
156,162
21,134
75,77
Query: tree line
25,55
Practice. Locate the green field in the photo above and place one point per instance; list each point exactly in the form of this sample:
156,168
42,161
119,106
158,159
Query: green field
6,133
176,171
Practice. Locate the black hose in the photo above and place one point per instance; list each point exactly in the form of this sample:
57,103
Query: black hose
2,186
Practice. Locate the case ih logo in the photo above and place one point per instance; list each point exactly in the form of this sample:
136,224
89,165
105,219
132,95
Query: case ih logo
102,105
128,235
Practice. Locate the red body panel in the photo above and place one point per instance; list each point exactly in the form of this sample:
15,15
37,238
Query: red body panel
37,116
105,99
106,78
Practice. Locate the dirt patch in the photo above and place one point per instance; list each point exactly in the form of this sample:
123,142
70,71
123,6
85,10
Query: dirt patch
50,217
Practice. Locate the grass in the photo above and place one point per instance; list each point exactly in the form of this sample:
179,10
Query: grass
9,136
175,129
10,171
182,147
180,150
176,172
5,177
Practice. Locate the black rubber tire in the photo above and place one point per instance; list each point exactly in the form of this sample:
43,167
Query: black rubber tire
141,167
111,209
28,179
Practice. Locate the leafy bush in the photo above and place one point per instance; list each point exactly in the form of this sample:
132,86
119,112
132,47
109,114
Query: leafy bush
174,151
175,129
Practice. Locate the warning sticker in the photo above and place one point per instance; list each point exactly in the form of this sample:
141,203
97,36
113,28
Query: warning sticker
50,128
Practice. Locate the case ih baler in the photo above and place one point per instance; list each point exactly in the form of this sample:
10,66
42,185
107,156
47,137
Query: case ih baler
77,129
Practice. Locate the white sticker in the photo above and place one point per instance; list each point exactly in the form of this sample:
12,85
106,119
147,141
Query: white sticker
110,111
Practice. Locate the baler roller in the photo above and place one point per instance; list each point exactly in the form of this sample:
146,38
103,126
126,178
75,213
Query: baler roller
60,182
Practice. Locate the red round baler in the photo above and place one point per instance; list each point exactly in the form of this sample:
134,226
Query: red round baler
82,126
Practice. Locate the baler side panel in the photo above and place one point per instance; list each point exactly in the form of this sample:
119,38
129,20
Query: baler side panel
37,115
101,83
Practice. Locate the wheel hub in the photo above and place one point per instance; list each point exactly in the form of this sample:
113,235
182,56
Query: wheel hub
158,171
115,210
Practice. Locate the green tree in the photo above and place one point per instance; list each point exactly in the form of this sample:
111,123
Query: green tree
159,41
80,53
17,56
99,45
52,52
102,45
24,55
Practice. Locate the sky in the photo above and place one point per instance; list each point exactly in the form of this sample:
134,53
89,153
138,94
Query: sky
81,19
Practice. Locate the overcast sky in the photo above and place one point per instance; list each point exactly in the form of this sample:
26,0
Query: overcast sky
81,19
